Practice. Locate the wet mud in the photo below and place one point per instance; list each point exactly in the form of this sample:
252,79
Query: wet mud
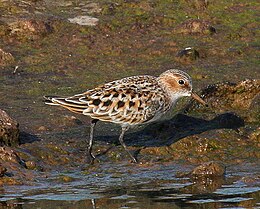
197,157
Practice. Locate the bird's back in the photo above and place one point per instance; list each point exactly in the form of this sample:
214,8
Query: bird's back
129,101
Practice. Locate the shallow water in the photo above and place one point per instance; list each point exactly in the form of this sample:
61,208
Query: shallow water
128,186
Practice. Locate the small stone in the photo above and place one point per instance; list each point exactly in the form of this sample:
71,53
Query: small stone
84,20
250,180
9,132
71,120
6,58
187,55
42,128
209,169
65,178
255,135
31,165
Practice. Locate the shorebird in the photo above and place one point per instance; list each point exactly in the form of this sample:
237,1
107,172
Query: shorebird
129,101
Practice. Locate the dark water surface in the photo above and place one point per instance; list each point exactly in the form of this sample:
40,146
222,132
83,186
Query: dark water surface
124,186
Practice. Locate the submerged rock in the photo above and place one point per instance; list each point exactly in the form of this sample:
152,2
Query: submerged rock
209,169
192,26
9,132
250,180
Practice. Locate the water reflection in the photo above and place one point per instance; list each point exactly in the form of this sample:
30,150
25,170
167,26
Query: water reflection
141,188
204,185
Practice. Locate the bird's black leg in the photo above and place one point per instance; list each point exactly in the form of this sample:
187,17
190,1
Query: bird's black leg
90,156
121,139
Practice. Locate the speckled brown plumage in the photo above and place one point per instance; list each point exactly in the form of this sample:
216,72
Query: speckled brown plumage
130,101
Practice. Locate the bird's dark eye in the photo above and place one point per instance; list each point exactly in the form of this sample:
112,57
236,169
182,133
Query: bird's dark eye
181,82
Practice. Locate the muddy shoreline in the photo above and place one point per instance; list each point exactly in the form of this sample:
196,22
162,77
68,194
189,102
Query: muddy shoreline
67,47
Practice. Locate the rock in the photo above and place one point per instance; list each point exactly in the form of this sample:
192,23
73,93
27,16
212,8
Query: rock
84,20
192,26
206,184
226,95
250,180
65,178
9,132
187,55
205,170
42,128
9,155
209,169
24,29
255,135
30,165
242,98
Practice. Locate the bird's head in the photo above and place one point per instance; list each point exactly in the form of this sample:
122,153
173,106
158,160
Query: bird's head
178,84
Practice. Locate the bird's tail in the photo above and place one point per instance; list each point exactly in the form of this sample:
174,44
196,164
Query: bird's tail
49,100
70,103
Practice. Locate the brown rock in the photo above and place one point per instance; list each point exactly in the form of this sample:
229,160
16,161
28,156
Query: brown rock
255,135
192,26
228,95
42,128
24,29
9,155
9,132
242,98
30,165
209,169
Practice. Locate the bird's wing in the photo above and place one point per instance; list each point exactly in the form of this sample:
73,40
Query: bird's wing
130,100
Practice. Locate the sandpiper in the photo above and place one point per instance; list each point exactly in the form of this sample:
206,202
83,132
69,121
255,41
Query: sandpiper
129,101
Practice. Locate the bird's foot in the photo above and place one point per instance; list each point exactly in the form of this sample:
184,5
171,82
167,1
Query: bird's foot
133,159
90,158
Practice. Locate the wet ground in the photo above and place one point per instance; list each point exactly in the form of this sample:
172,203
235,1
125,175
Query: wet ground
67,47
